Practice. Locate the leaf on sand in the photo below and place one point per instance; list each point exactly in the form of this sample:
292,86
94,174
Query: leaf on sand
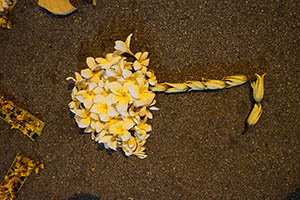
57,7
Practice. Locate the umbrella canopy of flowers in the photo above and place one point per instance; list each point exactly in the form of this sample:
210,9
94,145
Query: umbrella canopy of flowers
111,99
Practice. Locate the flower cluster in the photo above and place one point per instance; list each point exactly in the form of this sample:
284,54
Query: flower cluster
111,99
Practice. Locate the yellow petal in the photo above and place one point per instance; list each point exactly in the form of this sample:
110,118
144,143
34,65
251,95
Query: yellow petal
104,117
128,39
122,105
98,126
84,122
100,60
112,112
144,55
138,55
90,61
86,73
126,73
82,113
133,90
137,65
116,88
125,136
255,114
88,102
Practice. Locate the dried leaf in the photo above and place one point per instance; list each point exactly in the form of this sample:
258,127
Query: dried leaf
57,7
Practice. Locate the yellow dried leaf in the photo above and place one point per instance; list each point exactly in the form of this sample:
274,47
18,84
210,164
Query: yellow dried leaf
57,7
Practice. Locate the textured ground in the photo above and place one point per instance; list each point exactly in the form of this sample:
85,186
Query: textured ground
196,150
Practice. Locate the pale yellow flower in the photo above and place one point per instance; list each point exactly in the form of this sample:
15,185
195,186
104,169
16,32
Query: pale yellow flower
110,60
120,129
83,118
141,60
124,47
258,87
141,93
109,141
129,146
92,73
120,95
103,108
88,96
141,130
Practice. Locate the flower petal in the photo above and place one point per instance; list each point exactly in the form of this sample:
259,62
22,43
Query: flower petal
116,88
88,102
82,113
120,45
122,105
90,61
84,122
86,73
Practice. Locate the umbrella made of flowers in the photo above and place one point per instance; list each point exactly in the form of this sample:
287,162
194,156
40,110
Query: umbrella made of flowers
113,98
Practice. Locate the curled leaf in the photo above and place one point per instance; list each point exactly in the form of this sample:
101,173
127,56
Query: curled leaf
255,114
258,87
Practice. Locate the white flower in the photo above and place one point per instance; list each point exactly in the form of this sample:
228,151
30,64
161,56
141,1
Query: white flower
120,129
124,47
104,109
141,60
87,97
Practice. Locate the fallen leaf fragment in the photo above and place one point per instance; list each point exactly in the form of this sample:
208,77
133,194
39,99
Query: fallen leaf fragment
57,7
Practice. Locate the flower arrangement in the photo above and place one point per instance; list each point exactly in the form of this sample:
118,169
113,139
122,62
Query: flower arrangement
113,98
20,119
16,176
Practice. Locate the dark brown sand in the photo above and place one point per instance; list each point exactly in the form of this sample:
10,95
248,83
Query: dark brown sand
196,150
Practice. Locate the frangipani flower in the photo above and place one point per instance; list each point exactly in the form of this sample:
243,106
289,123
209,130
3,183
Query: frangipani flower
141,60
120,129
87,97
124,47
120,95
112,100
108,61
258,87
129,146
104,109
